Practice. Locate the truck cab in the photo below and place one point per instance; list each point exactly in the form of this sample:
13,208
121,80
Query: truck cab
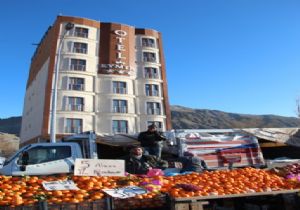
50,158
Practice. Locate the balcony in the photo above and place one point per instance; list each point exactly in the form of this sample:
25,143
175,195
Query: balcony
152,93
120,130
120,109
75,107
73,129
79,87
120,90
80,34
77,67
153,111
80,50
145,44
151,76
149,59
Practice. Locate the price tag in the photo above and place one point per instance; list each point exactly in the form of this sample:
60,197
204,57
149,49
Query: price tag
60,185
125,192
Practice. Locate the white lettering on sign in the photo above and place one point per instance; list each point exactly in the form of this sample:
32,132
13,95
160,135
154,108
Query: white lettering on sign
114,66
119,66
60,185
120,39
119,55
125,192
120,47
99,167
120,32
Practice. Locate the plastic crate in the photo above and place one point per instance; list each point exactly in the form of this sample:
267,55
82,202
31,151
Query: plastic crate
101,204
158,202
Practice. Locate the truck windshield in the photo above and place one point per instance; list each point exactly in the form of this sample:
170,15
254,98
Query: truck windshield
43,154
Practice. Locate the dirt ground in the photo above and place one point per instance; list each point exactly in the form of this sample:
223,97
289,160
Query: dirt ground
9,144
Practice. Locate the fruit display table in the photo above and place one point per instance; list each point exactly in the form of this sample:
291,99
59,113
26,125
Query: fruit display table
190,191
198,202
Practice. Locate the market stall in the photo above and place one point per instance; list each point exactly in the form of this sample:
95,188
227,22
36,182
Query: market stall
191,191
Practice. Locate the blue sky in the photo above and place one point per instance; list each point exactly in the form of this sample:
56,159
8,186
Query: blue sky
240,56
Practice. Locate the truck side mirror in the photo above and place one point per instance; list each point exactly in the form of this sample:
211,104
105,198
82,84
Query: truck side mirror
24,157
22,168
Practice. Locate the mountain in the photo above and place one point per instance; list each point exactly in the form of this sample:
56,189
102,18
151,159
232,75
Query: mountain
11,125
185,118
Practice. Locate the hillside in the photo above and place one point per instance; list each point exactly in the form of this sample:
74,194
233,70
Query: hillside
11,125
183,117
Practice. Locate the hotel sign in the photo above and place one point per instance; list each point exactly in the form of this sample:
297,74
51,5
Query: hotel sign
118,51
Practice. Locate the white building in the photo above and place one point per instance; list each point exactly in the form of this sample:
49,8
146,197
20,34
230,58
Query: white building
112,79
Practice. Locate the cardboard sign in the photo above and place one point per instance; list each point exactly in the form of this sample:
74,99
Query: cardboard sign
125,192
99,167
60,185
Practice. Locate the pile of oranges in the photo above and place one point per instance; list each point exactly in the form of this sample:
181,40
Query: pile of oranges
226,182
28,190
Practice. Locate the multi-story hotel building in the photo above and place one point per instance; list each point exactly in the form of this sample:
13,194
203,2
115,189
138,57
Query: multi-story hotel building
112,79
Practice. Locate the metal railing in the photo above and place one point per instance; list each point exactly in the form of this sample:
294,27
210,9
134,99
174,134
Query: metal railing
75,107
80,34
149,59
120,90
76,87
120,109
120,130
152,93
78,67
80,50
153,111
73,129
151,76
146,44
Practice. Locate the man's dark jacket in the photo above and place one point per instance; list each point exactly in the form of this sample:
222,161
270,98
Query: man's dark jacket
142,165
150,139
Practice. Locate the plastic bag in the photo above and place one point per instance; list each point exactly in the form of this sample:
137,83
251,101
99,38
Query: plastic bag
155,172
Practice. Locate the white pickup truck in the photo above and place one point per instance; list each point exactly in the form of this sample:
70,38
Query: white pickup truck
51,158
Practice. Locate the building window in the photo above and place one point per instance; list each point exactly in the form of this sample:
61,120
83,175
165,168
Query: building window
73,125
120,126
75,104
151,73
119,87
81,32
76,83
152,90
120,106
78,65
157,123
149,57
148,42
153,108
80,47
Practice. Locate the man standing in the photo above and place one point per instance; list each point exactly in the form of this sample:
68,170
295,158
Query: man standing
138,163
151,140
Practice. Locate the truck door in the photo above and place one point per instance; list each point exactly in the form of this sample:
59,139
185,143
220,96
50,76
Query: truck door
42,160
